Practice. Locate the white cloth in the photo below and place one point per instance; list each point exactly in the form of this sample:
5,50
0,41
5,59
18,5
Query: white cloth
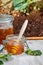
25,59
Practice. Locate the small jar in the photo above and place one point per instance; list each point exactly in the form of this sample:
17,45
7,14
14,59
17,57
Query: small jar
13,47
6,26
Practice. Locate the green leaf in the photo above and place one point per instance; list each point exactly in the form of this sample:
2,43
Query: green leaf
5,57
33,52
21,6
1,62
16,2
1,56
30,1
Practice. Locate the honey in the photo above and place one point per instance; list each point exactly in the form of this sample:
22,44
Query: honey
14,48
4,32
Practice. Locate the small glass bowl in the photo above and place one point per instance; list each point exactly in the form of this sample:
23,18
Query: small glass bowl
13,47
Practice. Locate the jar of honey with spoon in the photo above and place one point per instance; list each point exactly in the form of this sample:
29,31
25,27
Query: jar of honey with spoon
6,26
12,46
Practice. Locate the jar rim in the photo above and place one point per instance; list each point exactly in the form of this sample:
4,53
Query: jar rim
12,36
6,18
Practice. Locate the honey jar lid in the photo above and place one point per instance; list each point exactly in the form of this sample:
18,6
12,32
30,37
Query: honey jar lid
6,18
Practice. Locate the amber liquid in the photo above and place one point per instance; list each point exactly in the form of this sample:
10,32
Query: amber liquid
14,49
4,33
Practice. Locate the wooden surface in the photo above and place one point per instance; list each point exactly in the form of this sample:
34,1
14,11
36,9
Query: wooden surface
34,38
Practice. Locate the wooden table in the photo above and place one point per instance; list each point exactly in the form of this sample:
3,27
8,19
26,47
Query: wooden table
34,38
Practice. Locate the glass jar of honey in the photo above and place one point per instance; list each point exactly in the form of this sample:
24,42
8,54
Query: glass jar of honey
12,46
6,26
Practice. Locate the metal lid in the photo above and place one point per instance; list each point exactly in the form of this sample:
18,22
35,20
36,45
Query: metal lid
6,18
